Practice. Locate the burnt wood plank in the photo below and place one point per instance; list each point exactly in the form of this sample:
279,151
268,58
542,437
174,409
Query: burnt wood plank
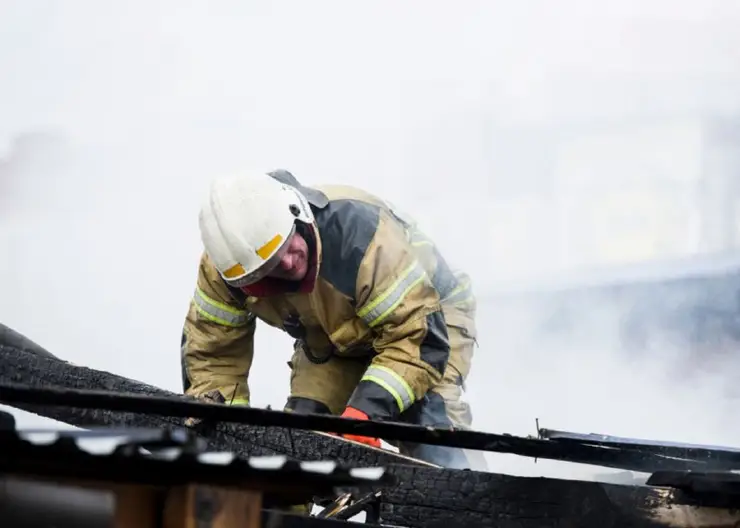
454,498
633,457
23,361
426,497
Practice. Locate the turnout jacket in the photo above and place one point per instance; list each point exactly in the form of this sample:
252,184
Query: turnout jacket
382,291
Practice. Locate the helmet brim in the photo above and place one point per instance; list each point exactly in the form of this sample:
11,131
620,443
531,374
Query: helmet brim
264,270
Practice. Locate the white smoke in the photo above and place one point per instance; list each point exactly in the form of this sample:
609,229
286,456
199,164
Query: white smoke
463,113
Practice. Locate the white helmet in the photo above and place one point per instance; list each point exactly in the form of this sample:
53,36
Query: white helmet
245,222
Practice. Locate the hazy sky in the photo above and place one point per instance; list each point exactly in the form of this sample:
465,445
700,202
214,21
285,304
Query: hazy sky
403,98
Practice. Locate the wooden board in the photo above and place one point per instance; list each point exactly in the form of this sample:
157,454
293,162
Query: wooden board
213,507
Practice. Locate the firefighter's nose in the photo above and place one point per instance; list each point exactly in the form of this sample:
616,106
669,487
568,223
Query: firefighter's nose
286,262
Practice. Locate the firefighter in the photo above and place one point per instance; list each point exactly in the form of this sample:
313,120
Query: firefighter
383,328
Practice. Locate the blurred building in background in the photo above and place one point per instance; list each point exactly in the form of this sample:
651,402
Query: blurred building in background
630,177
641,191
616,220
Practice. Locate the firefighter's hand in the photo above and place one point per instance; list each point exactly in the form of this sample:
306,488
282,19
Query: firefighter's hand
351,412
213,396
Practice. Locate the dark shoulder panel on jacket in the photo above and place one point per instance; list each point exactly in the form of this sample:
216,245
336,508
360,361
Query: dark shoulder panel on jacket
346,227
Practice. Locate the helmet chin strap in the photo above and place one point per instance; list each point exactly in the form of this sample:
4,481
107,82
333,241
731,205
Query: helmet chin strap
269,286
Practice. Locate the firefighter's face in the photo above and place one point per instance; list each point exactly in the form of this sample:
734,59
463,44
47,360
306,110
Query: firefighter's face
293,264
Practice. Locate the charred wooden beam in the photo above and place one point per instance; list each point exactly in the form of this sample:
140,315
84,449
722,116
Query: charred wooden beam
450,499
117,459
423,497
711,456
643,456
23,361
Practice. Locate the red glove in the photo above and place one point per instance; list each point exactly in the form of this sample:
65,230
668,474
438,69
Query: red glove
351,412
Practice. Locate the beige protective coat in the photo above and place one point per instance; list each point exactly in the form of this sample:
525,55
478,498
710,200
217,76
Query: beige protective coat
386,322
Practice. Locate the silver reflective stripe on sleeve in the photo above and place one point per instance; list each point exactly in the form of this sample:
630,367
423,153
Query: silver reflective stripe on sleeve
380,307
392,383
219,312
460,294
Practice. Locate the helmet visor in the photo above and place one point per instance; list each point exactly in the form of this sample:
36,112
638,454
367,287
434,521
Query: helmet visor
264,270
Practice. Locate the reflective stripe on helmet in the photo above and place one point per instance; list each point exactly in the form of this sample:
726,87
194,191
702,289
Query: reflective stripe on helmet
239,281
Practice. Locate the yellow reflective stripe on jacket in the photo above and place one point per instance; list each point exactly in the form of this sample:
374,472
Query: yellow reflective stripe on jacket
392,383
379,308
418,239
239,401
460,294
218,312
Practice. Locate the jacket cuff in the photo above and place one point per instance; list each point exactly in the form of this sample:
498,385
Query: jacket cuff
374,401
384,391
